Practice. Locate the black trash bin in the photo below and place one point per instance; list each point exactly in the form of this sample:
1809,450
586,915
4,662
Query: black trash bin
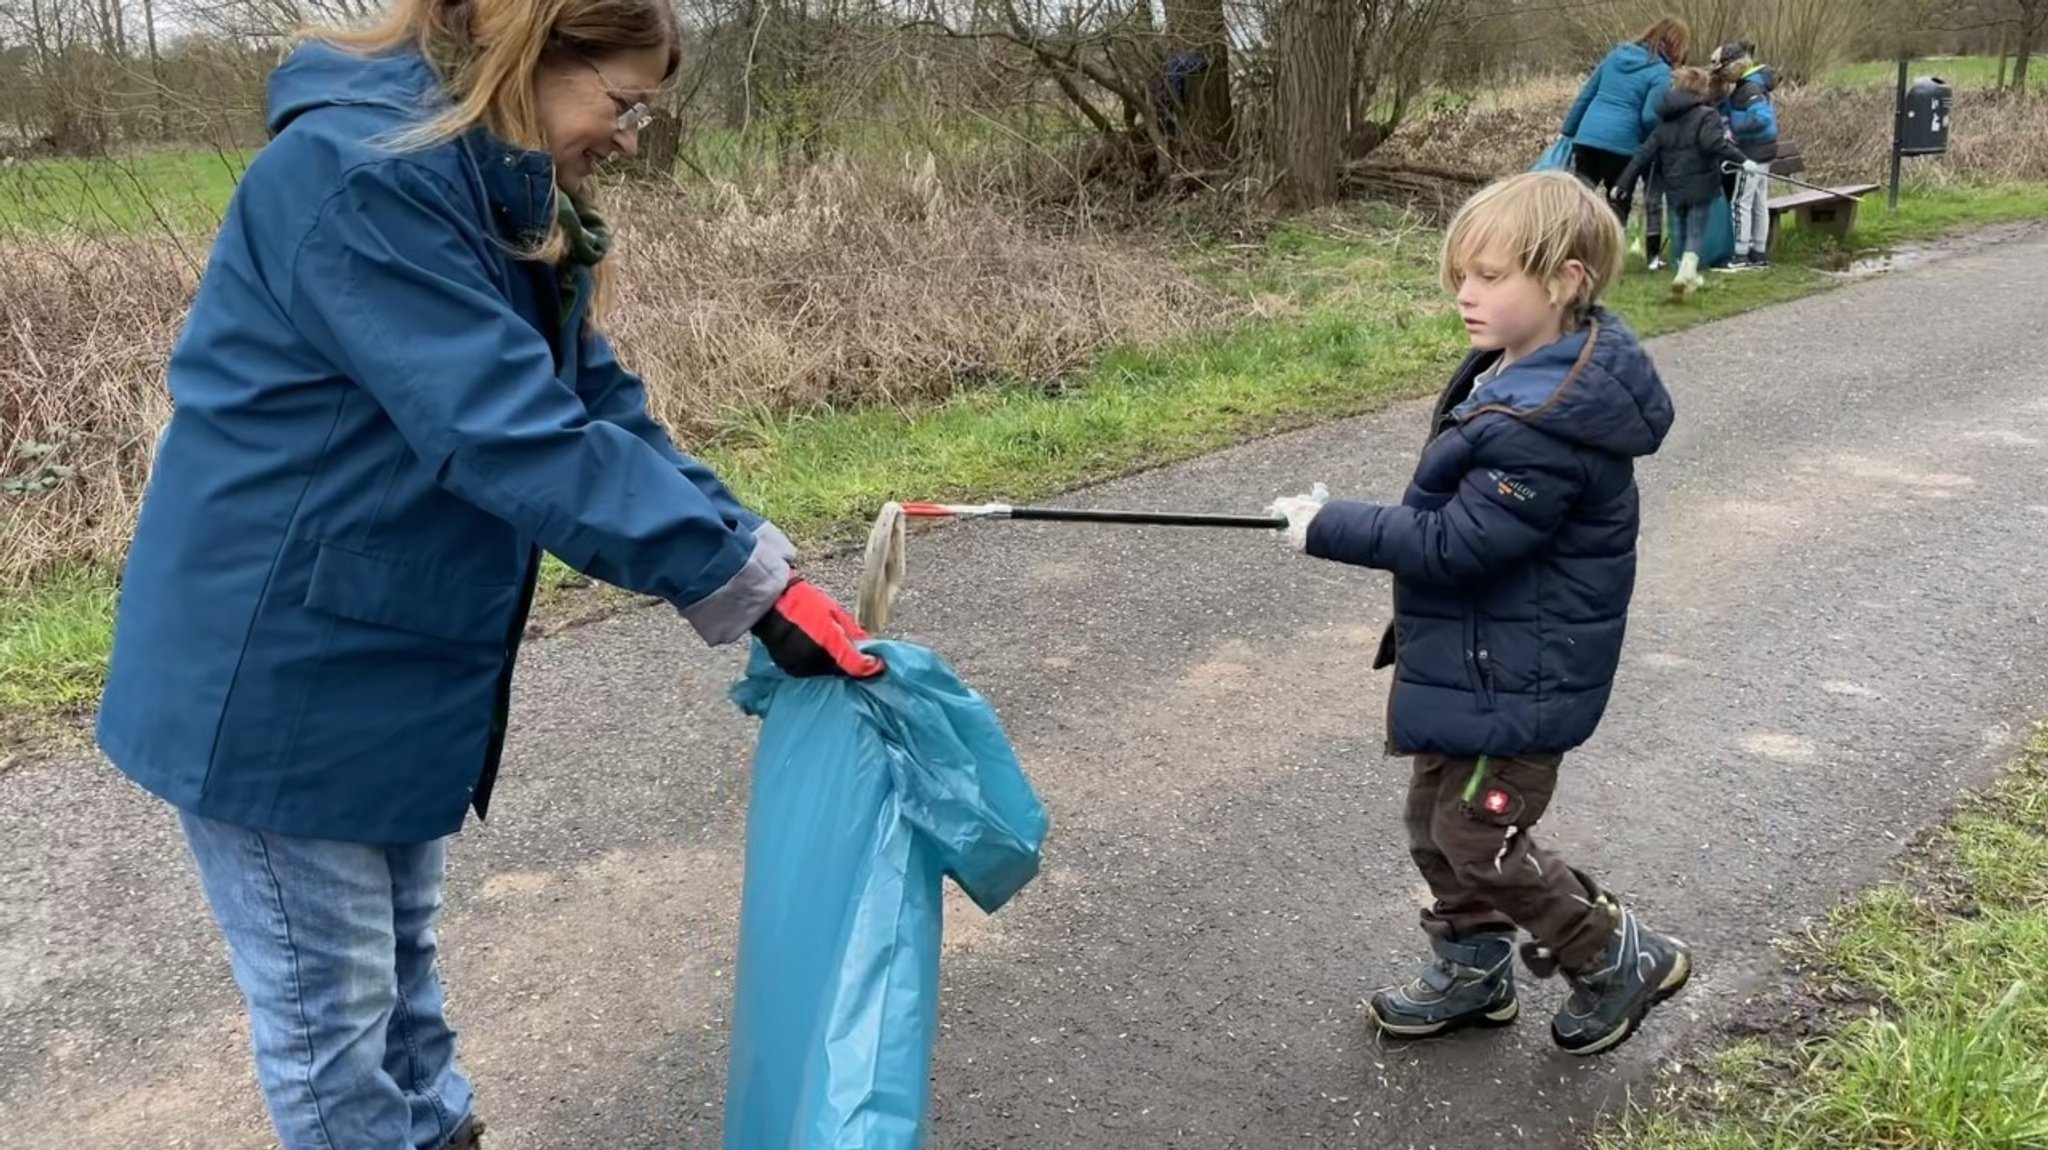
1923,131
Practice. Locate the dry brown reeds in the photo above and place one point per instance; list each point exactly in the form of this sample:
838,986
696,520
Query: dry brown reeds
88,324
857,287
852,287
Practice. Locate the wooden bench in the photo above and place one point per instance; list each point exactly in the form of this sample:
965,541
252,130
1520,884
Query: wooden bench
1832,211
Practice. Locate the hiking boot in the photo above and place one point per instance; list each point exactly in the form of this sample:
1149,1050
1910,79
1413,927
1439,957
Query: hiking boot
468,1136
1471,982
1639,969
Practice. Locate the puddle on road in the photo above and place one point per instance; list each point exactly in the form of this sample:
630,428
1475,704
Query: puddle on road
1894,261
1905,257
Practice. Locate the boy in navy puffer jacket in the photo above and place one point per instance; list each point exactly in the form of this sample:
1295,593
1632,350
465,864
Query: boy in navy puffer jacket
1513,556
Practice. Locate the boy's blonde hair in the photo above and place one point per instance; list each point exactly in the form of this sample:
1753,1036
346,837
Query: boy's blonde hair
1697,81
1539,222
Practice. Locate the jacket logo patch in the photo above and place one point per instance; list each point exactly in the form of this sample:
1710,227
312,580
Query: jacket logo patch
1511,488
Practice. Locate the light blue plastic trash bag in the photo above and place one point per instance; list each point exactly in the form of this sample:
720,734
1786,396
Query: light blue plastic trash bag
1557,156
865,796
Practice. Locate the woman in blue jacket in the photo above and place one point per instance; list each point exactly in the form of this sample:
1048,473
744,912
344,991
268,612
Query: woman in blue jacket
392,395
1616,110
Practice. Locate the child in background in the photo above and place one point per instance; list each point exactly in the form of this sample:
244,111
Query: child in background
1754,122
1514,558
1688,148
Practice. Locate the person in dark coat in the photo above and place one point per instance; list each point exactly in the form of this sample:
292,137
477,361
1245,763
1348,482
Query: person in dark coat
1753,121
1616,108
393,393
1689,147
1513,555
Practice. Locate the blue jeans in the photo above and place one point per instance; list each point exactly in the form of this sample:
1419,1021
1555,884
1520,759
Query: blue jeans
1692,220
332,944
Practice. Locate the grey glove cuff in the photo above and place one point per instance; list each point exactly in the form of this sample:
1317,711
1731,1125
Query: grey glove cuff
731,611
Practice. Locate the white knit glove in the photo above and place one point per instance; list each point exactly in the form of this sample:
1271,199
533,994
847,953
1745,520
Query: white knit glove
1300,511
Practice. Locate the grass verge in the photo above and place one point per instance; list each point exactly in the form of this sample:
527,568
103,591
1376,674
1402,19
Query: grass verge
1352,319
1958,71
179,187
1933,996
54,642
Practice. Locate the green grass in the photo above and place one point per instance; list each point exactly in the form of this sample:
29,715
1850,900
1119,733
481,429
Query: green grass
54,641
132,193
1927,211
1960,72
1950,1057
1357,320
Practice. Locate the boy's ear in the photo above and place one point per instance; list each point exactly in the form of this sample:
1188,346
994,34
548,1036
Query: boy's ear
1572,278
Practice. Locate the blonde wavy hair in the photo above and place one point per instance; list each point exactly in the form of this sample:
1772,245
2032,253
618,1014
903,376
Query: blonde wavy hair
488,52
1540,221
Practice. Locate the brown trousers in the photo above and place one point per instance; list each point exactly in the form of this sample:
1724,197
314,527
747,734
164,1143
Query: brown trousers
1468,829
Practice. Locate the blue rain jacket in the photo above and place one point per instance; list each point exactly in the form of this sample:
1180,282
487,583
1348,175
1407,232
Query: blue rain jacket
382,418
1617,105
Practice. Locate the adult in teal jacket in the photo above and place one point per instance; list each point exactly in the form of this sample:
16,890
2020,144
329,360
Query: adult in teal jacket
391,397
1617,108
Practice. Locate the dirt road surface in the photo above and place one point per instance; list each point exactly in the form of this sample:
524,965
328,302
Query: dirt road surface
1839,623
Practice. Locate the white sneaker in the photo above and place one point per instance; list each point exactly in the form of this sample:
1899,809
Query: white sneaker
1688,280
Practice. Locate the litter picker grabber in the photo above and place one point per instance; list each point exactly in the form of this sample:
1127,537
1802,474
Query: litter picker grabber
1797,183
1085,515
882,564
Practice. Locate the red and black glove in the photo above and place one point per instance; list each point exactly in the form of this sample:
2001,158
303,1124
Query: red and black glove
807,633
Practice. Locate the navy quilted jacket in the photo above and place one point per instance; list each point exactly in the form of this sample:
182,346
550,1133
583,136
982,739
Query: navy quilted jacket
1514,549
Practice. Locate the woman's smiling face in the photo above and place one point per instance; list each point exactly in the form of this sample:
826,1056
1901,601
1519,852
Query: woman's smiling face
592,110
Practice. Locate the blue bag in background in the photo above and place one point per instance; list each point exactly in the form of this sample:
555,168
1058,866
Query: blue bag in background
865,797
1557,156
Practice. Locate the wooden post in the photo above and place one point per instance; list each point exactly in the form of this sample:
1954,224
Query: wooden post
1899,130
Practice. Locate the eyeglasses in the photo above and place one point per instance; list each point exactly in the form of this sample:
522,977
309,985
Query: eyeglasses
632,117
633,114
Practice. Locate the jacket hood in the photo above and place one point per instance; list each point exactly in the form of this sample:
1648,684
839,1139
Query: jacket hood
1674,104
396,90
318,75
1633,57
1762,74
1607,396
